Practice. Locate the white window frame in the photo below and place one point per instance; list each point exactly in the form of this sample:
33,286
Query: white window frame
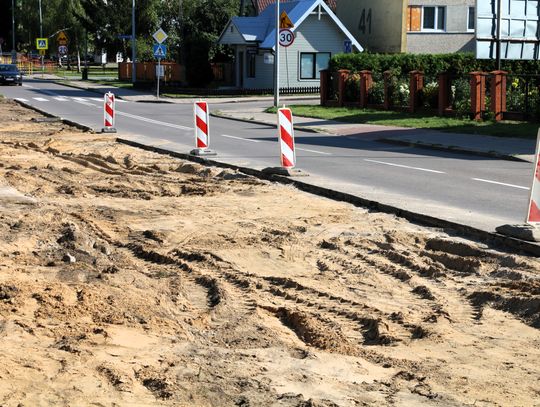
422,29
471,30
314,53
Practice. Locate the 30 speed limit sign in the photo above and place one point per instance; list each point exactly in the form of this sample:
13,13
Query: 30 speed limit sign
286,37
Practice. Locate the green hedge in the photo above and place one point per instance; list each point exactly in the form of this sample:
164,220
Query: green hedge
430,64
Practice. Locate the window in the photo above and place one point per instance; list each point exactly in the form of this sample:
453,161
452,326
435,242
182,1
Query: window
426,18
312,63
251,62
434,18
471,19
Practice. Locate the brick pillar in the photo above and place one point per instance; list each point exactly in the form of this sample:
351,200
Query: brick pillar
498,94
478,100
387,84
343,74
444,94
325,75
416,84
366,82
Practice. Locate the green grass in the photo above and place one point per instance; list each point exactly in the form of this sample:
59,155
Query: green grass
420,121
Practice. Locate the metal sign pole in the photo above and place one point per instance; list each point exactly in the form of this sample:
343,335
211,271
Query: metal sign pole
276,59
133,45
499,20
158,75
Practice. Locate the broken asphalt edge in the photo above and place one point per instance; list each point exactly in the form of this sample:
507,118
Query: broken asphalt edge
495,240
46,114
458,150
222,115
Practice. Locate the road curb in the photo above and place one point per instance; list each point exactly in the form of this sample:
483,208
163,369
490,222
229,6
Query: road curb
65,121
451,149
495,240
260,122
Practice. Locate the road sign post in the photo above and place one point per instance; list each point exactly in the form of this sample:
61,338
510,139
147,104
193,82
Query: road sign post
160,51
286,37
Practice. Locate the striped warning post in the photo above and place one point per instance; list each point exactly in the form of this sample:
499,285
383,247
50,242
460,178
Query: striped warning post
108,113
202,129
286,138
202,125
533,215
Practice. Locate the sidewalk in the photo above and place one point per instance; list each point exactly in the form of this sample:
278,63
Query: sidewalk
150,96
515,149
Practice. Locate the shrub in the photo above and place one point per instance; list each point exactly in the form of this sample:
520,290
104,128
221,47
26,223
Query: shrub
429,96
376,93
430,64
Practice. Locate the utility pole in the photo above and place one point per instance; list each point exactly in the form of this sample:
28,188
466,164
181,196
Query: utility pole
13,51
133,45
41,36
276,60
499,30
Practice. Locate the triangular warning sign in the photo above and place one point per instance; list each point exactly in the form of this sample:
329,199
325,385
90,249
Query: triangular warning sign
62,37
285,21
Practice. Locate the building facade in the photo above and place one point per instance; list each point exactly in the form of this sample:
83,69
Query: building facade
416,26
318,35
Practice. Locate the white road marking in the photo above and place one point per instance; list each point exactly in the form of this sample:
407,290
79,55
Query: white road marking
240,138
28,86
21,99
61,99
120,100
500,183
41,99
405,166
313,151
97,99
79,99
144,119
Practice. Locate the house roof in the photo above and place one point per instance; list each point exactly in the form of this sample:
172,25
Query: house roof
261,29
261,5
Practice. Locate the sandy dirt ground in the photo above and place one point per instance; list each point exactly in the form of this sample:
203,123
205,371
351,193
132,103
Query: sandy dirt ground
132,279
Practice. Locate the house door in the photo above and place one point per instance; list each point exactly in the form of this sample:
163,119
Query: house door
241,69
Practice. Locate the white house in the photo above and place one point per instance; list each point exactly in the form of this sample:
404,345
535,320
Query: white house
318,32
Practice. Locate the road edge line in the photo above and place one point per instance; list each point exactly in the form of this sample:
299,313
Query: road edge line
495,240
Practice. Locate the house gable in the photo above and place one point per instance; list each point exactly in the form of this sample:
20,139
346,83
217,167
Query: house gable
231,35
298,13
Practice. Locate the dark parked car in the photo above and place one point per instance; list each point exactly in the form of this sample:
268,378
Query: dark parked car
10,74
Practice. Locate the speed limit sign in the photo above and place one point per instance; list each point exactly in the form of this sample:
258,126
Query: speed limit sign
286,37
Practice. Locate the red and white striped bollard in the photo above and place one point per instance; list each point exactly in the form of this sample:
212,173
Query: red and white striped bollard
533,214
286,138
108,113
202,129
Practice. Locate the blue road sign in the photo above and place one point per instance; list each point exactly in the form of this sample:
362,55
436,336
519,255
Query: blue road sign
347,46
160,51
124,36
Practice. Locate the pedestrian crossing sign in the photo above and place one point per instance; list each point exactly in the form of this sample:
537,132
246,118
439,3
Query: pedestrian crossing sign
160,51
42,43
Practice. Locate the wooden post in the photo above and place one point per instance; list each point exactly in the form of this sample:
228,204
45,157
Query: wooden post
498,94
416,84
324,86
444,94
366,82
387,84
478,101
343,74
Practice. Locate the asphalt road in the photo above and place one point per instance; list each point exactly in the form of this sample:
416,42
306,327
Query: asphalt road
476,191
